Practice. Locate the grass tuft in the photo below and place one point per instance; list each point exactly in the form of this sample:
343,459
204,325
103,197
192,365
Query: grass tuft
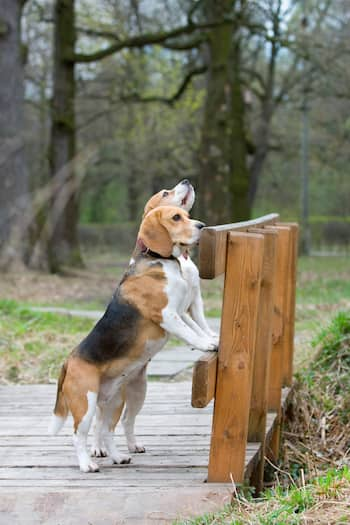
318,435
33,345
313,503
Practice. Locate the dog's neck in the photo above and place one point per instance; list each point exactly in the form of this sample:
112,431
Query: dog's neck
144,250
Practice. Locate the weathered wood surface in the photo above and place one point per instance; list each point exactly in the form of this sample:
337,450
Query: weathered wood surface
236,356
290,301
40,482
261,371
213,244
204,379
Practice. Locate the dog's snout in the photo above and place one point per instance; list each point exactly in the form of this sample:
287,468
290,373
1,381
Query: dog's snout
200,225
185,181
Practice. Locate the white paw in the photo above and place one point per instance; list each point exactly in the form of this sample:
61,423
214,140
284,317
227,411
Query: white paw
136,449
215,340
121,459
213,347
207,345
89,467
98,452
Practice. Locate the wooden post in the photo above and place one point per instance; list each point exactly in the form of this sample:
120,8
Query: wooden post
204,380
235,357
278,330
290,306
261,369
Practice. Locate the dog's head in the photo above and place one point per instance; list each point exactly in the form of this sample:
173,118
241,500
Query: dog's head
168,230
182,195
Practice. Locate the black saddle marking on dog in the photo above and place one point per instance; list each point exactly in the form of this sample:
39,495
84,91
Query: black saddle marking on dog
113,335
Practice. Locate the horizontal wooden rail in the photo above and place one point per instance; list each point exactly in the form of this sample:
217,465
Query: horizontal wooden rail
213,244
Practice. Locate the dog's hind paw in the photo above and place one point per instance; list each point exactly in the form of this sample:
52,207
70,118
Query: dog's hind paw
89,467
98,452
121,459
136,449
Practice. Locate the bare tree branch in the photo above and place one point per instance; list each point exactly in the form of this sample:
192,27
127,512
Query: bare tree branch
135,97
141,41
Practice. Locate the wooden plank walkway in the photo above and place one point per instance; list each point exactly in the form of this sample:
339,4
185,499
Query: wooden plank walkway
40,482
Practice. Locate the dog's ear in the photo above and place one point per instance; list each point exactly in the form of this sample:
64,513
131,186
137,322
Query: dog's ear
154,235
152,203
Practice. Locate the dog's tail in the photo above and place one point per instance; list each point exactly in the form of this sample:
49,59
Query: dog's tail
60,412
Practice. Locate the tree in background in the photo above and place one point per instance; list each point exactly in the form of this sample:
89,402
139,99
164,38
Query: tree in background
14,194
203,90
63,244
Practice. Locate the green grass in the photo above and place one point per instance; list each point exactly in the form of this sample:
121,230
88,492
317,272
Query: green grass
292,506
33,345
323,280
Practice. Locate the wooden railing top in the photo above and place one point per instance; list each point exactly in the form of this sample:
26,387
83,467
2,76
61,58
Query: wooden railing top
213,243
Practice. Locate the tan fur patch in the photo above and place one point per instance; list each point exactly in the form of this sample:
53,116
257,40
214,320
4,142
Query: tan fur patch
146,291
81,377
159,231
148,331
159,200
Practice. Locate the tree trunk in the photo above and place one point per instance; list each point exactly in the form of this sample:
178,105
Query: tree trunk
239,174
214,165
14,175
64,245
264,127
223,177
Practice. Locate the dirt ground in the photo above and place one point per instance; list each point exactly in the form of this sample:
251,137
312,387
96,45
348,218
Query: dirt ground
93,285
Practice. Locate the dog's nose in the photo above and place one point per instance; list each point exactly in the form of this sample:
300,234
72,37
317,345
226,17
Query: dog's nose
200,225
185,181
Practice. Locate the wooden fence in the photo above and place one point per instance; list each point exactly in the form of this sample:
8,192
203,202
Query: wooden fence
255,357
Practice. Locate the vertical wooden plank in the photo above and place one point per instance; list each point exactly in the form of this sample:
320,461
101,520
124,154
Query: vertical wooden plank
278,333
235,357
261,368
258,405
290,306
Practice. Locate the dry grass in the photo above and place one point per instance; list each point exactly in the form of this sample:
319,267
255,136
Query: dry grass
318,435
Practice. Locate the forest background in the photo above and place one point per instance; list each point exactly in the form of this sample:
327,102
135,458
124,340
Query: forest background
104,102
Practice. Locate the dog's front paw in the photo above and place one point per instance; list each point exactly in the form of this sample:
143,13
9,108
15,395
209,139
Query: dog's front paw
207,345
213,347
215,338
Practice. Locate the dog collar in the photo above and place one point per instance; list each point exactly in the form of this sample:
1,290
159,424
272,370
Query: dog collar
146,251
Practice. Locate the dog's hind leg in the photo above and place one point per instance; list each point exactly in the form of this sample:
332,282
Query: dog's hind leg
111,413
80,390
135,394
98,448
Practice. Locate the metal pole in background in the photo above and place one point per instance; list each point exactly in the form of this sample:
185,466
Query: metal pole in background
304,151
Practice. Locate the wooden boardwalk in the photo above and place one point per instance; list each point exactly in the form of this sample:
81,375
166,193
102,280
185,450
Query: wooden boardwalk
40,482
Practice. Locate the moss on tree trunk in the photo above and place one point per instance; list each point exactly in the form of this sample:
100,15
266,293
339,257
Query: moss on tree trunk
64,245
223,178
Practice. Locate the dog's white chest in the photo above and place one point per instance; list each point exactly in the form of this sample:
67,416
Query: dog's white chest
176,288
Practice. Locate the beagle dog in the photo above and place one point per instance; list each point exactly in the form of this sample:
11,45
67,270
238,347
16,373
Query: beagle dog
183,196
149,304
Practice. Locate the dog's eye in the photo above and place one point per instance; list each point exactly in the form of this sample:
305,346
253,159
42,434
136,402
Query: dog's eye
177,217
165,193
